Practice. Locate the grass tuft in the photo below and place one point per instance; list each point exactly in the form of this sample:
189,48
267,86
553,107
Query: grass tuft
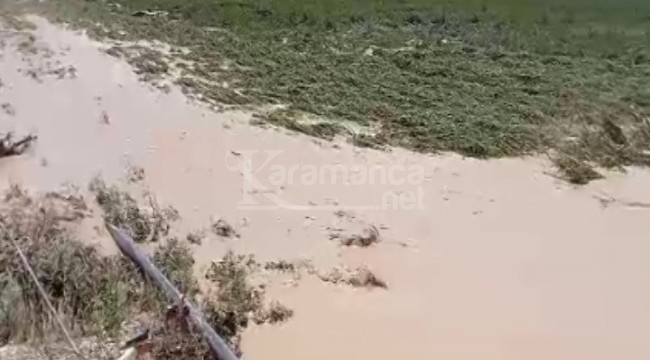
236,300
144,224
177,263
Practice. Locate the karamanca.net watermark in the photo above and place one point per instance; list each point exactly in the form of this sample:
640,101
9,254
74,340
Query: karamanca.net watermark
265,170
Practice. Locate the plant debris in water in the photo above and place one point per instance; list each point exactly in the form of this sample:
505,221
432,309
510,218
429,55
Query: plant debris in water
195,238
144,224
177,263
222,228
135,173
9,147
236,300
358,277
575,171
369,236
273,313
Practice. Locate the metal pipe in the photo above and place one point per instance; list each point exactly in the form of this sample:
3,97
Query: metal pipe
126,244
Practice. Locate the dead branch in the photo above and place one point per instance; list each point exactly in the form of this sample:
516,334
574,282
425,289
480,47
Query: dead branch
10,148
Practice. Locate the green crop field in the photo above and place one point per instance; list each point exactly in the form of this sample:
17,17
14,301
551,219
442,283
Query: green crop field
482,78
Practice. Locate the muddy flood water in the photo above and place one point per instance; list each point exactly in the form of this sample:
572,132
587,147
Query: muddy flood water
482,259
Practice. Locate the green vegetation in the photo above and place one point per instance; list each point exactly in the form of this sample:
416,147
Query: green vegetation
97,295
235,299
482,78
144,224
91,292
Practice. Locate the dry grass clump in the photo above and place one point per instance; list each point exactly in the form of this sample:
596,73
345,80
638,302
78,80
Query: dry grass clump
144,224
575,171
608,135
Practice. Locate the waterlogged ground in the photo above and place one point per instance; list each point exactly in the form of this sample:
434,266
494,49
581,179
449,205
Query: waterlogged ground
482,259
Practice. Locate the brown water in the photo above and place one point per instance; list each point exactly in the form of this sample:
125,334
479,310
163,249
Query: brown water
499,260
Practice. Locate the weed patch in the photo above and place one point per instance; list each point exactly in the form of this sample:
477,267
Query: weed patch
96,295
144,224
89,291
177,263
236,301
